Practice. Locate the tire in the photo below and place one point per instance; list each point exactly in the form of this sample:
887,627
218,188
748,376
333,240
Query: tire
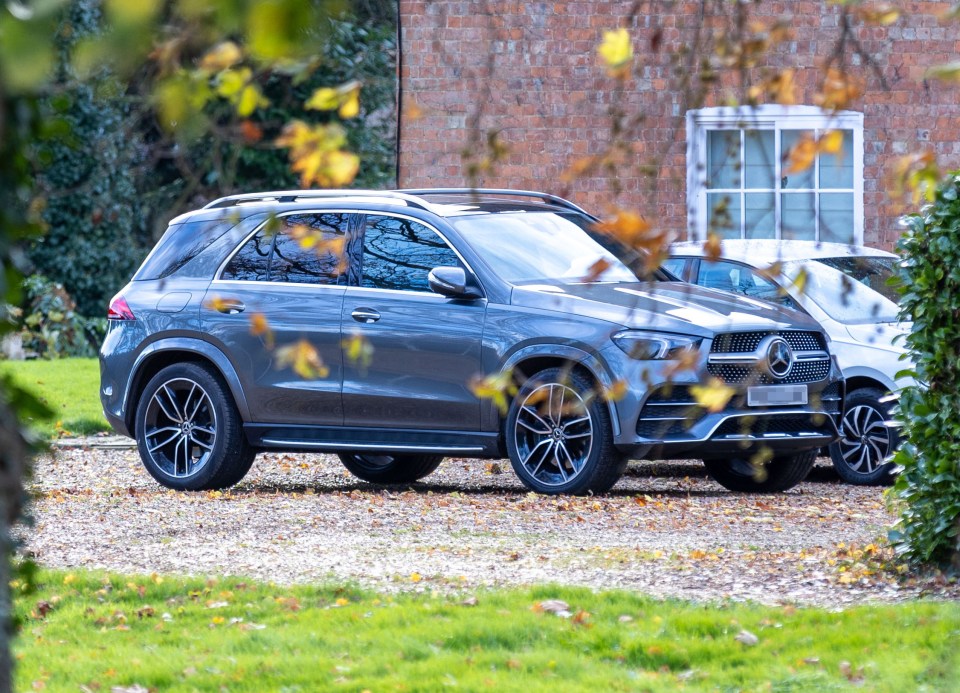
782,473
559,437
189,432
866,442
390,469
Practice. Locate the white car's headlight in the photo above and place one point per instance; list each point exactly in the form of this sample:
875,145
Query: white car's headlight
654,346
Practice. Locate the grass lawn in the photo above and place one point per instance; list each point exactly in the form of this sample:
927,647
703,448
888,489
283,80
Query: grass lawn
109,632
70,387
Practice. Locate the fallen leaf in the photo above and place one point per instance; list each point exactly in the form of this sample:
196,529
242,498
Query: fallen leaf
747,638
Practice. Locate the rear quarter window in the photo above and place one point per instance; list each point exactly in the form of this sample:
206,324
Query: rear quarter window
179,245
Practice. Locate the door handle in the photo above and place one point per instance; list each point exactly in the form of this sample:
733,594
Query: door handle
230,306
366,315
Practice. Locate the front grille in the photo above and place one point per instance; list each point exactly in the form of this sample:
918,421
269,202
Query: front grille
785,424
802,372
747,342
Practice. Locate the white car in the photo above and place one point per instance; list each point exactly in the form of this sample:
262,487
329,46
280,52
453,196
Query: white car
845,289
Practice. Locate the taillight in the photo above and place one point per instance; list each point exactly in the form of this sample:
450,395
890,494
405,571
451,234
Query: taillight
119,310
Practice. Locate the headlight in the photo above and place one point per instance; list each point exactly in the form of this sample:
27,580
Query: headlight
654,346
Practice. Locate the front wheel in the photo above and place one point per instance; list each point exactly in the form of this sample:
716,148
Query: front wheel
559,436
779,474
860,456
390,469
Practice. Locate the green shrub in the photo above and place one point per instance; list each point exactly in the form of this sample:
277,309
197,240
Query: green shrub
929,486
50,325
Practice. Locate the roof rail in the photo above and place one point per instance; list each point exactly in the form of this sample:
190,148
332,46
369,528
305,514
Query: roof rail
545,197
294,195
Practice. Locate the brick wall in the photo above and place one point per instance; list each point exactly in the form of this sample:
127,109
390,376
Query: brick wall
529,71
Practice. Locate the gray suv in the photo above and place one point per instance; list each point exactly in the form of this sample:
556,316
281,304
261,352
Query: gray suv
397,328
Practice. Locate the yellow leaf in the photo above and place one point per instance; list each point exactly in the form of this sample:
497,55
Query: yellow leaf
616,391
315,152
304,359
342,602
358,350
832,142
948,72
415,577
596,270
838,90
350,106
259,327
220,57
616,52
69,579
881,13
714,395
250,99
323,99
496,387
127,12
712,247
216,303
801,156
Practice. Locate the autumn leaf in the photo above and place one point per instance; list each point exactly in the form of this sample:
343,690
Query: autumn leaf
616,52
617,391
879,13
596,270
713,247
948,72
635,232
497,387
238,88
259,327
801,155
358,350
831,142
714,395
838,90
413,111
222,56
316,153
304,359
918,174
345,99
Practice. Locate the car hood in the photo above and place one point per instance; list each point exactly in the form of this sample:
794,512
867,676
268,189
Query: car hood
671,306
881,334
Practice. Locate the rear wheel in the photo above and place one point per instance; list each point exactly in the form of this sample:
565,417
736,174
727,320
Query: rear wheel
860,456
779,474
559,436
189,433
390,469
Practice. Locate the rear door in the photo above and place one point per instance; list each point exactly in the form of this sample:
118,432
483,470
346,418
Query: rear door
425,347
275,311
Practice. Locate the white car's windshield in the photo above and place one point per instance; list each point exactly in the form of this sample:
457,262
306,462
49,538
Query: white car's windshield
850,290
527,247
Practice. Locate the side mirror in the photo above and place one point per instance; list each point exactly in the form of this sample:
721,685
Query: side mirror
452,282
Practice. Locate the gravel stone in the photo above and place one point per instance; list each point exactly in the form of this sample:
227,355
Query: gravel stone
665,530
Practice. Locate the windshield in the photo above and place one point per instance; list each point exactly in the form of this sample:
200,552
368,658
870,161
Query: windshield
531,247
851,290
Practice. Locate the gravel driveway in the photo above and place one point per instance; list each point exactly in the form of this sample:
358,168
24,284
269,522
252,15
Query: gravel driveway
665,530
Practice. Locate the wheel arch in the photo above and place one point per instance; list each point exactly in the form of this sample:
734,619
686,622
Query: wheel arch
531,360
865,382
161,354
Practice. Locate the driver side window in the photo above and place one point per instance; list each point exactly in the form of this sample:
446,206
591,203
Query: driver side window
398,254
740,279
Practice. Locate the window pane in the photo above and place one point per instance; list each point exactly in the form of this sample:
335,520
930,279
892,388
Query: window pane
723,214
759,159
759,215
250,264
723,159
798,216
801,179
399,253
836,170
675,266
836,217
309,249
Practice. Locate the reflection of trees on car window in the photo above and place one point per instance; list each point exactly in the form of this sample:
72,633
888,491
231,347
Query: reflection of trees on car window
308,263
399,253
251,263
280,257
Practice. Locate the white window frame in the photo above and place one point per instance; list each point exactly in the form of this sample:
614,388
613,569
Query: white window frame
766,117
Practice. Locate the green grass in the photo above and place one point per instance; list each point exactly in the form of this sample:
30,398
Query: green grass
69,387
102,632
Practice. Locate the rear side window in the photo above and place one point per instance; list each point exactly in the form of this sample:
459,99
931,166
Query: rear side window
399,254
298,249
179,245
